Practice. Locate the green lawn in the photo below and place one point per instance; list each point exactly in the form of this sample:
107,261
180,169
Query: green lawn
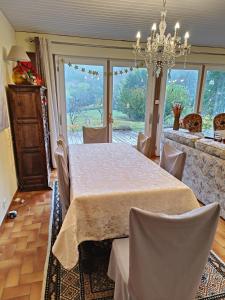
92,118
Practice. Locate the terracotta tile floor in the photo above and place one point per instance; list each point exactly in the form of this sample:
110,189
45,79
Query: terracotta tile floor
23,246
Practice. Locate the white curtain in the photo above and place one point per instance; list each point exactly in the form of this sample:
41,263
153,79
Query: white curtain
50,81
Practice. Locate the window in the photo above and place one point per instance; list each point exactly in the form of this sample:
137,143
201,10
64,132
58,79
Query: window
181,87
213,101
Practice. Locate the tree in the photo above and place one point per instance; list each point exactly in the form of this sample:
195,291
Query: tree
132,103
99,107
213,97
73,109
175,93
85,87
132,95
214,94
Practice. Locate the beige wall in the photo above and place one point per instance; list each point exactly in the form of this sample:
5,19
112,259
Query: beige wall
8,183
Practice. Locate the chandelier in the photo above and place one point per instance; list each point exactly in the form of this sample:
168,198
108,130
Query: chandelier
162,50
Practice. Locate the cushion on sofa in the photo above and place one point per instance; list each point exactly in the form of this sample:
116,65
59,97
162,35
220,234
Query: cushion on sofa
211,147
182,137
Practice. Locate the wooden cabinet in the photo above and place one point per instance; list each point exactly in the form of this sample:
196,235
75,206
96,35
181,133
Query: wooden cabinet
29,126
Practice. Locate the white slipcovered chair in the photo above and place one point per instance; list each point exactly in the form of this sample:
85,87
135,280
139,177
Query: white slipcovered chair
61,158
144,144
61,141
94,135
164,257
173,160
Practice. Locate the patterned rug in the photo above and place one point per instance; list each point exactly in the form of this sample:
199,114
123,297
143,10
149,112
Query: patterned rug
61,284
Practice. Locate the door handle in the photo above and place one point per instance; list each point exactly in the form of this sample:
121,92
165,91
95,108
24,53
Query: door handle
110,118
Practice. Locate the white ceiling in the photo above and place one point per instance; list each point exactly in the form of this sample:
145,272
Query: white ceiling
118,19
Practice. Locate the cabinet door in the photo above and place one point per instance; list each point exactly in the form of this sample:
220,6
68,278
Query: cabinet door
32,169
28,135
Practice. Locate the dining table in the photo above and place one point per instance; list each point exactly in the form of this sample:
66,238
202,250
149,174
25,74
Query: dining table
106,180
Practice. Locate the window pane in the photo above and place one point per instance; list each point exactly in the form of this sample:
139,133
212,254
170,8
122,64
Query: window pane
181,87
128,103
213,97
84,99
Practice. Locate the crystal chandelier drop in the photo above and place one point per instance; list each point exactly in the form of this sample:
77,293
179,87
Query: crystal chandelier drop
161,50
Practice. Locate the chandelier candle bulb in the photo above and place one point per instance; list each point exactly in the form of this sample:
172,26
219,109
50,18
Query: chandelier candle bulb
154,27
186,37
138,36
177,26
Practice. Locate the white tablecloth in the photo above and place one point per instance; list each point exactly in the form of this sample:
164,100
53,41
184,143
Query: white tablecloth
106,181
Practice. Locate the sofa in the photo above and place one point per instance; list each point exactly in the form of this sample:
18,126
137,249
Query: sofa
204,170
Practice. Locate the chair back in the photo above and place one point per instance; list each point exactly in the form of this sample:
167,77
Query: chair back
61,159
219,122
168,253
173,161
94,135
144,144
61,141
193,122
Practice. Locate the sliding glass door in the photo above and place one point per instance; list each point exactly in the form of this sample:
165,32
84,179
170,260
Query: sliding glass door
93,95
128,102
85,95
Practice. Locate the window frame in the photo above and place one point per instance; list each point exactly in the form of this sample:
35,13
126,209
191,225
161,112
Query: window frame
208,67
